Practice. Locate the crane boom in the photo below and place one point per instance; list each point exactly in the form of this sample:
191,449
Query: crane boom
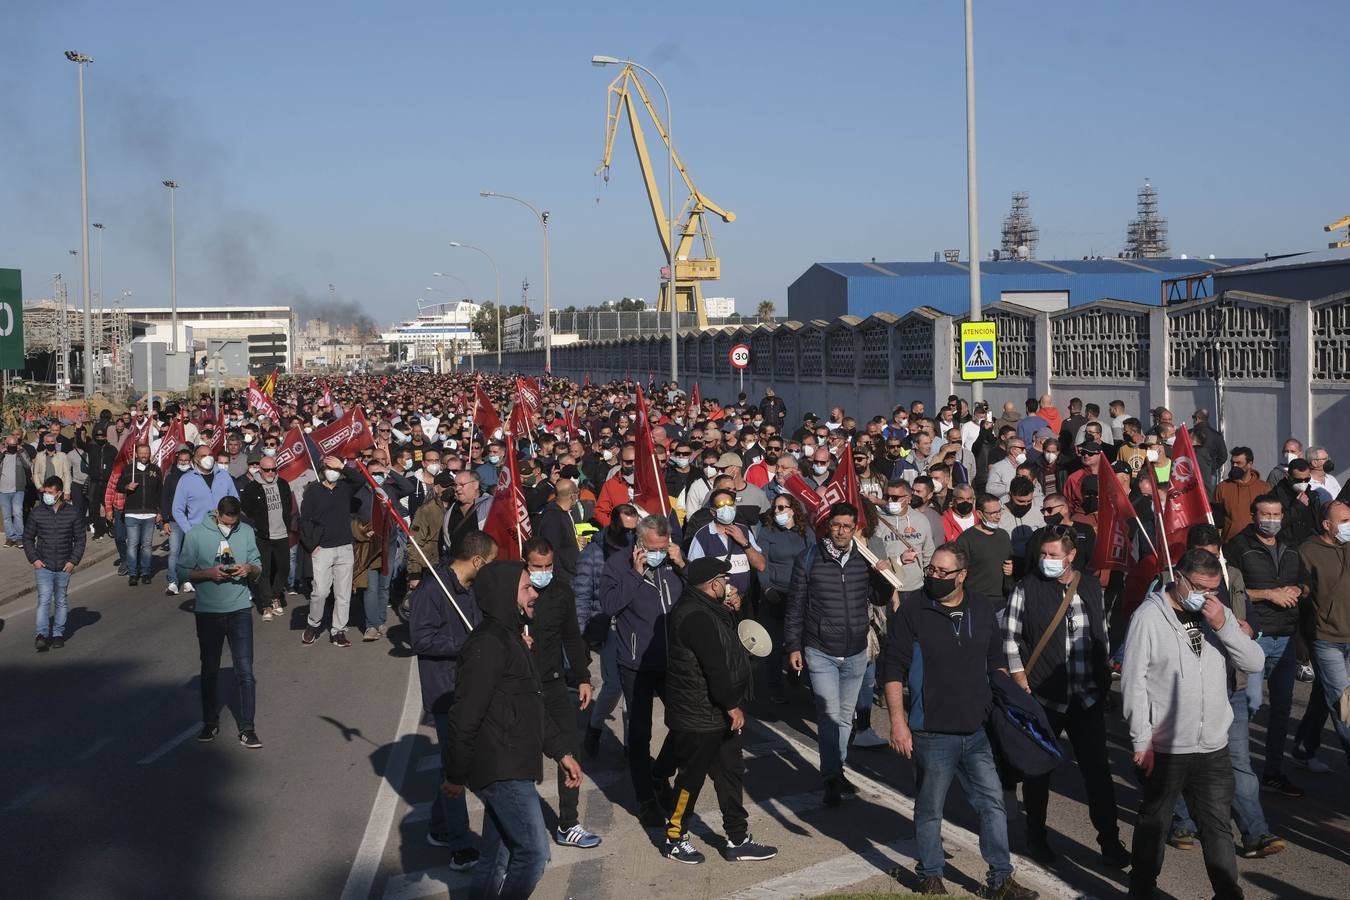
1336,226
689,270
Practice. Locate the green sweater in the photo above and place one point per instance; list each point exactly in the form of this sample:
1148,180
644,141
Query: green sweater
202,547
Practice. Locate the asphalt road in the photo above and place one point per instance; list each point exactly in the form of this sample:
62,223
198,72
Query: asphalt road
110,796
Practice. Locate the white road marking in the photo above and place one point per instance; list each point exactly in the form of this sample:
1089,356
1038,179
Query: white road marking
96,746
829,875
75,586
23,799
172,742
951,834
366,863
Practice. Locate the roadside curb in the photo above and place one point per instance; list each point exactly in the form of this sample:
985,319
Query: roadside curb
94,554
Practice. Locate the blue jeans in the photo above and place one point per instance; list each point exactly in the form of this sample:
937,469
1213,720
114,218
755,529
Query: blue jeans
865,691
139,534
213,630
175,547
294,581
515,841
1251,818
375,597
1281,669
11,503
969,758
52,585
834,683
120,536
449,815
1333,668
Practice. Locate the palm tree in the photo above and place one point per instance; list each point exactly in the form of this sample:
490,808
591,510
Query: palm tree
765,311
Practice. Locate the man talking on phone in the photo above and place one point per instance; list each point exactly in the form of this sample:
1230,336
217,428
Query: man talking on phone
220,556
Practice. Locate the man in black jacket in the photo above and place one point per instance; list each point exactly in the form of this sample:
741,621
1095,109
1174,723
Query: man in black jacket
142,485
826,632
53,541
437,630
326,532
555,632
102,455
558,525
268,507
945,646
707,684
498,733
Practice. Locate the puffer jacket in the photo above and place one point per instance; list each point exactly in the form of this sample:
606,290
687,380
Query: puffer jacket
53,534
1261,571
639,604
827,603
586,586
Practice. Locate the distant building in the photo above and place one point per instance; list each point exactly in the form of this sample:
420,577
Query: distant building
268,331
1303,276
719,307
445,328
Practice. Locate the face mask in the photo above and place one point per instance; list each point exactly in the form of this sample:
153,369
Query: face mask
541,579
680,462
183,467
140,467
1054,518
1270,527
49,499
494,460
938,485
1290,457
1051,456
710,471
433,468
50,448
269,451
1020,458
607,455
725,514
379,478
308,429
893,507
1236,474
1019,509
207,463
1153,457
1300,486
963,508
1052,568
225,529
917,502
253,470
248,439
784,520
938,588
443,434
1343,532
820,468
795,454
1193,602
629,477
1170,441
332,475
655,558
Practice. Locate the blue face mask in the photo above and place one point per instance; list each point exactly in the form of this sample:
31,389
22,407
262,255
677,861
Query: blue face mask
1052,568
541,580
49,499
655,558
782,519
379,478
725,514
1193,602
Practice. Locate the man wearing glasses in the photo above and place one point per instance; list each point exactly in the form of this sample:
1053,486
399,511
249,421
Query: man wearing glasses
946,647
267,506
1074,491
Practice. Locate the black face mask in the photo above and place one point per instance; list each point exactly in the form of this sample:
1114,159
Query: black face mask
963,508
1089,504
50,448
1019,509
1054,518
917,502
938,588
1236,474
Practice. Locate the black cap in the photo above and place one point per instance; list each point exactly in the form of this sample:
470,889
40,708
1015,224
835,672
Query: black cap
705,569
445,479
1090,447
812,416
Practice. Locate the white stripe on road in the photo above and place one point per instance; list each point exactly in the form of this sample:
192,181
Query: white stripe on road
830,875
9,614
96,746
170,744
953,834
366,864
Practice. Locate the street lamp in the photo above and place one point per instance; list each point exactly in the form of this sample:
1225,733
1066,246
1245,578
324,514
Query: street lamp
102,301
972,207
173,269
498,275
81,61
548,324
601,62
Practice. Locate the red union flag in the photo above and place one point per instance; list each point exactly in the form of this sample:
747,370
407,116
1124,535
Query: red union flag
810,500
484,413
292,458
1112,550
842,487
169,442
259,402
528,390
1187,502
112,497
649,482
694,404
508,521
346,437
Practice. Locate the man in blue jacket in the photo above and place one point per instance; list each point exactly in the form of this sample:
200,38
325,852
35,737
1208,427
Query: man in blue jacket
198,492
639,588
944,646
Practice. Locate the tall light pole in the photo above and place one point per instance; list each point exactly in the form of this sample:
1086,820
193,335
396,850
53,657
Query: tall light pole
498,276
81,61
173,269
102,300
602,61
548,323
972,204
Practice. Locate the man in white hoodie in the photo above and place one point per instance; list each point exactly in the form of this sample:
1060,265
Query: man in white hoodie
1174,685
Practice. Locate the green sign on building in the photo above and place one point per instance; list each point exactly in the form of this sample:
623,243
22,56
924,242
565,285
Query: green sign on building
11,319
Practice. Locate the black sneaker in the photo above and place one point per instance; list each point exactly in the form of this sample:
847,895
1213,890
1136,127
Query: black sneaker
1009,890
846,787
133,581
747,851
833,794
682,851
58,642
1265,845
463,860
1115,854
340,640
931,885
1281,785
309,635
591,743
41,643
208,734
650,814
1181,840
250,740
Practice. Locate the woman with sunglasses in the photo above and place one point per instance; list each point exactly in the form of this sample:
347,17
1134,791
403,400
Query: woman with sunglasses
782,538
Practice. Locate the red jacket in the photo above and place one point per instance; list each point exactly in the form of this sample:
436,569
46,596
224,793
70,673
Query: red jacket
612,493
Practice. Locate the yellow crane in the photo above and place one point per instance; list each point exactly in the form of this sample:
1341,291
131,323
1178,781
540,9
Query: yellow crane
691,223
1336,226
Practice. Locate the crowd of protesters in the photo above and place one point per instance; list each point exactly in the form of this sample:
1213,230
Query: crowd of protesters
952,565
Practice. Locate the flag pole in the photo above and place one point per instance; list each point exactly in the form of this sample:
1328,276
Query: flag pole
1159,509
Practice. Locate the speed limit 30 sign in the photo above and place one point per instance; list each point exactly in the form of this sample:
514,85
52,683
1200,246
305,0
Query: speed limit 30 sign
740,356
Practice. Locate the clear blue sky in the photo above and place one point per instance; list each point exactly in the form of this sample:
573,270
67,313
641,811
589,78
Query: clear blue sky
346,142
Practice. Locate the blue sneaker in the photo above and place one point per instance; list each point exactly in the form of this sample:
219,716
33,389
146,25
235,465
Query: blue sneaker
576,836
682,851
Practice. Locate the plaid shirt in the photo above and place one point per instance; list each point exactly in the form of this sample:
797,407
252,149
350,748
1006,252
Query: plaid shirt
1077,640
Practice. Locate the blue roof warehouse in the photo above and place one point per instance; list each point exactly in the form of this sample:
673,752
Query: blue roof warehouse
830,290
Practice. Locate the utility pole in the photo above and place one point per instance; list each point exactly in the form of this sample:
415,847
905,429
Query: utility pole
173,269
972,201
81,61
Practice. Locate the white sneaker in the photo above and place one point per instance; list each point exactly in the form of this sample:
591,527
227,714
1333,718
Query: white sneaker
867,739
172,589
1311,764
187,587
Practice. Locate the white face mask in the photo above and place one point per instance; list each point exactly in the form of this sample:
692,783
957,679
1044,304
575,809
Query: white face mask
248,439
1051,456
433,468
1300,486
332,475
1020,458
183,467
607,455
225,529
269,451
407,464
710,471
820,468
725,514
207,463
893,507
1152,455
1052,568
937,485
140,466
1290,457
1343,532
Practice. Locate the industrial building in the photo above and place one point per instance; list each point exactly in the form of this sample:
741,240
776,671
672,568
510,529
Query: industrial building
1302,276
829,290
268,330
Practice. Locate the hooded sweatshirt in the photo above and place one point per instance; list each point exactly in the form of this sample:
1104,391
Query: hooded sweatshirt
1174,700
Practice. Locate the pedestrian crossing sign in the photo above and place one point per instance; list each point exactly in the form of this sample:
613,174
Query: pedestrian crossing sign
979,351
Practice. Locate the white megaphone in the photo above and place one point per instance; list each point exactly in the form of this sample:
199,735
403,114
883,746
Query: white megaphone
754,638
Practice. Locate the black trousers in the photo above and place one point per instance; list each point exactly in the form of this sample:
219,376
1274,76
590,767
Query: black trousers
639,689
1087,733
276,568
698,755
93,494
561,705
1206,781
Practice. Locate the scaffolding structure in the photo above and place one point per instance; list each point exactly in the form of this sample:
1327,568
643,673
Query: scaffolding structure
1146,237
52,326
1020,233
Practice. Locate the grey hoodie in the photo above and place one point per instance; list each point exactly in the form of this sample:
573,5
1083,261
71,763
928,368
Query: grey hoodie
1175,702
